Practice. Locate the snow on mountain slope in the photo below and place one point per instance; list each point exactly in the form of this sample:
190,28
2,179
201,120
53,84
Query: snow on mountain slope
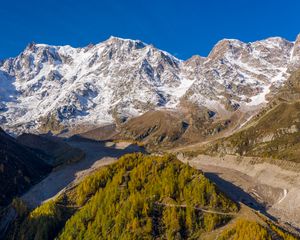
238,74
121,78
86,84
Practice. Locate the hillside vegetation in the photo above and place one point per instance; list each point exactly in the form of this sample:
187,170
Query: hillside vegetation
139,197
134,203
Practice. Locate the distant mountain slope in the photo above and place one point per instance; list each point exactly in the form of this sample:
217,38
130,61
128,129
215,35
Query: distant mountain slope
58,87
166,129
54,151
274,132
155,127
20,167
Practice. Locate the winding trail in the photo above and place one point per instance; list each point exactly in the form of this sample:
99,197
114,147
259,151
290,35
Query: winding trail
197,208
285,192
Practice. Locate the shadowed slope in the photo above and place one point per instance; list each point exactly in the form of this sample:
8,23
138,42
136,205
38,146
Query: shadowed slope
20,167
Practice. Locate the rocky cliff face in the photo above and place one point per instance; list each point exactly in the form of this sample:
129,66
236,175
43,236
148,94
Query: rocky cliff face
54,87
295,57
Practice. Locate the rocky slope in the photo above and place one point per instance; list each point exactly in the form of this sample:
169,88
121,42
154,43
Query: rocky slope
58,87
274,132
25,160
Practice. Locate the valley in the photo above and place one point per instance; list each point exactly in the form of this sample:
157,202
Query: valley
97,154
245,184
122,139
149,120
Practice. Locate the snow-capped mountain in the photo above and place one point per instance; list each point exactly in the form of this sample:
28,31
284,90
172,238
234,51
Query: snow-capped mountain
241,74
124,78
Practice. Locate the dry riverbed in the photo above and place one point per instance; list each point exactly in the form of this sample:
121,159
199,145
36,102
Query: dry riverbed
264,186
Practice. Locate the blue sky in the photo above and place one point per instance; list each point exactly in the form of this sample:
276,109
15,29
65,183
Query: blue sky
181,27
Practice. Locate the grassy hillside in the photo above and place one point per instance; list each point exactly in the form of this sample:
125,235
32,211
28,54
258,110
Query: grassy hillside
139,197
155,127
275,134
164,129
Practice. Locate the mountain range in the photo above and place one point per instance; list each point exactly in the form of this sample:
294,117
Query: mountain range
58,88
234,115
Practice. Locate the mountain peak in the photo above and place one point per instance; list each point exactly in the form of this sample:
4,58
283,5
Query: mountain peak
114,39
194,61
298,38
274,39
296,50
223,46
33,46
295,55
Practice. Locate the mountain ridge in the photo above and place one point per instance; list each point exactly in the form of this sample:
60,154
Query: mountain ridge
53,88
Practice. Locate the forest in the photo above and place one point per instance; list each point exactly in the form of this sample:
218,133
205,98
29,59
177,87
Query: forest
139,197
134,204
